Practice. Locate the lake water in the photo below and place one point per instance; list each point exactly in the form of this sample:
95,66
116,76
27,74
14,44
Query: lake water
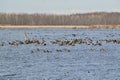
81,62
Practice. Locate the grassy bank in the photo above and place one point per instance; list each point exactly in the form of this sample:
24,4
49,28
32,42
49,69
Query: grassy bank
73,27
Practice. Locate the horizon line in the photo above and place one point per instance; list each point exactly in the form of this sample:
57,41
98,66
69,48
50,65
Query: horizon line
61,13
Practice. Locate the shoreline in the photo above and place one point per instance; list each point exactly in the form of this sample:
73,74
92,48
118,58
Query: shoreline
62,26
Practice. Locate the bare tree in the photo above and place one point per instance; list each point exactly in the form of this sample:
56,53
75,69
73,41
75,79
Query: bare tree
96,18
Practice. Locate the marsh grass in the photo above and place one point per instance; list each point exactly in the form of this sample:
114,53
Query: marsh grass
66,26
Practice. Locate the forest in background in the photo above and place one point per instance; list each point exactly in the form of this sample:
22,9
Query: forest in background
95,18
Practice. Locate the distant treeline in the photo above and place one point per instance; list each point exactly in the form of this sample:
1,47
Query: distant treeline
96,18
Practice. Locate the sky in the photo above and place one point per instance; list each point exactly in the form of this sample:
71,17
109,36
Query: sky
59,6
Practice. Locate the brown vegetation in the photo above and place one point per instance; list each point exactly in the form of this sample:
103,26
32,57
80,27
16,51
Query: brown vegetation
100,18
64,26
